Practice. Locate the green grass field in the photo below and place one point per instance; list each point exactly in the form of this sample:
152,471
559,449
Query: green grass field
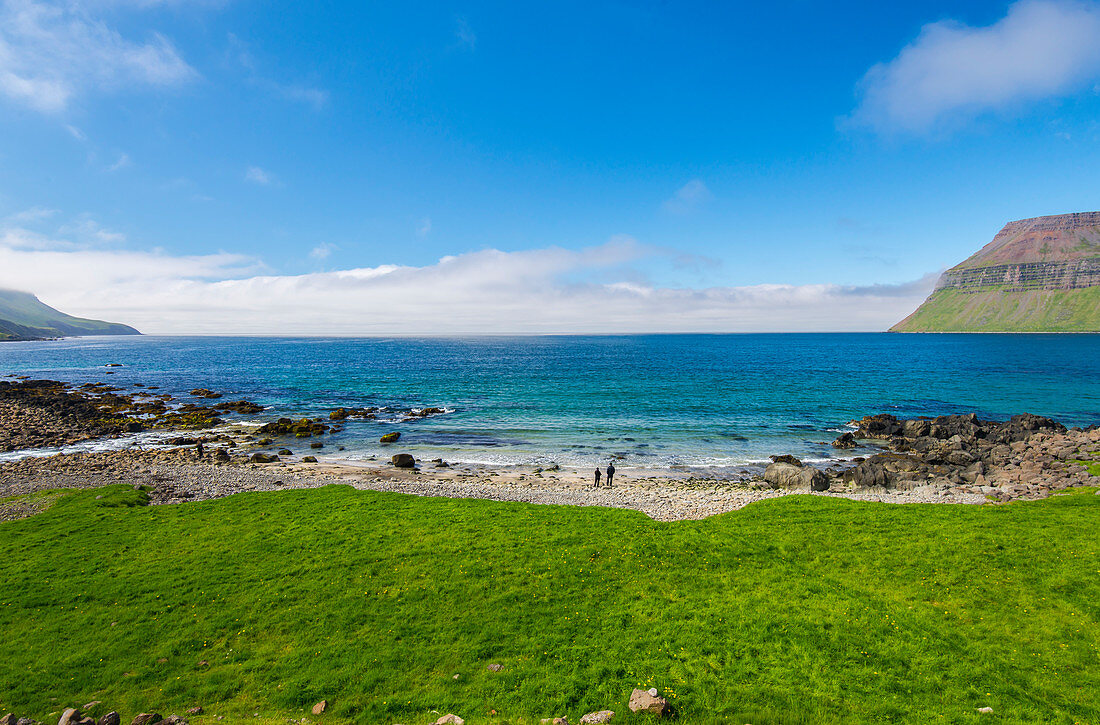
802,609
995,310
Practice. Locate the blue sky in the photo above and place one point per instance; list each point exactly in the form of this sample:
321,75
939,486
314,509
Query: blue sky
203,166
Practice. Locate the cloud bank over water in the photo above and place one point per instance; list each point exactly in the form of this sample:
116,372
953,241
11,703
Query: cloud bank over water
551,290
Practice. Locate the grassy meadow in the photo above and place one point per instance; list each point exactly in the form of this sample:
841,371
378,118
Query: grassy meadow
801,609
1002,310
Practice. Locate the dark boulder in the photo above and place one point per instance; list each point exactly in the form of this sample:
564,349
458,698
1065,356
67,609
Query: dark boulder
403,460
916,428
309,459
390,438
786,458
845,440
264,458
1023,426
882,425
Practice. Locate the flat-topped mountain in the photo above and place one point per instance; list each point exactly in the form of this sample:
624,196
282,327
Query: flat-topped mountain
24,317
1037,275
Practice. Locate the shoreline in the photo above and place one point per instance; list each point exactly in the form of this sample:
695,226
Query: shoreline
175,477
199,455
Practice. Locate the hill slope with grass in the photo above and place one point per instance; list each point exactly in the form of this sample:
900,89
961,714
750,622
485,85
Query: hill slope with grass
1037,275
24,317
803,609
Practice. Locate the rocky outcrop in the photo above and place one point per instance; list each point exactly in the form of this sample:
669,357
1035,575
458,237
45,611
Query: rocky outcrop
1040,274
1027,456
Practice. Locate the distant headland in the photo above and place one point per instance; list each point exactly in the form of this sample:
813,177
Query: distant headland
24,317
1037,275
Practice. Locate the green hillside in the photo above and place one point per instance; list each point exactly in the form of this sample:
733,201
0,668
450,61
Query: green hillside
1037,275
24,317
952,310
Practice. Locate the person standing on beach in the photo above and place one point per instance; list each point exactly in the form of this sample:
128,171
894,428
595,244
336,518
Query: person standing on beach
610,473
597,483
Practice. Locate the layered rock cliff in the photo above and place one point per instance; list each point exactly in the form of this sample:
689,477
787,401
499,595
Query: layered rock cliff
1037,275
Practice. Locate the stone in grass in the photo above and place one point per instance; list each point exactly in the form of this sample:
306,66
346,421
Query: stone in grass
985,710
197,710
320,707
553,721
494,667
71,716
146,718
8,719
403,460
111,718
450,719
389,438
595,718
648,701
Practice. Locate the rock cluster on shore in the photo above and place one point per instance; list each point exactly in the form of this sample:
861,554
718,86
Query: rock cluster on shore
1027,456
80,716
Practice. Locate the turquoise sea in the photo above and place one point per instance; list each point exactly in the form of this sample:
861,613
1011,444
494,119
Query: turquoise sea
656,400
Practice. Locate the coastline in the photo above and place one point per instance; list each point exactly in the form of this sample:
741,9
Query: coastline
191,453
175,477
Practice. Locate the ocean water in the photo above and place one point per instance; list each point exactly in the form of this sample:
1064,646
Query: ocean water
712,401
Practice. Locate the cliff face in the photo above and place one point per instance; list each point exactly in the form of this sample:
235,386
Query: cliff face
1037,275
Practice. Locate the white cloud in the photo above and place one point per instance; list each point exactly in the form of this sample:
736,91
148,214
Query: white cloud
316,97
533,291
424,227
1040,49
322,251
53,51
28,216
258,176
239,52
122,163
465,34
88,231
688,198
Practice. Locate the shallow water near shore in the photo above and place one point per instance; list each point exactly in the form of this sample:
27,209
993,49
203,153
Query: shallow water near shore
704,402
